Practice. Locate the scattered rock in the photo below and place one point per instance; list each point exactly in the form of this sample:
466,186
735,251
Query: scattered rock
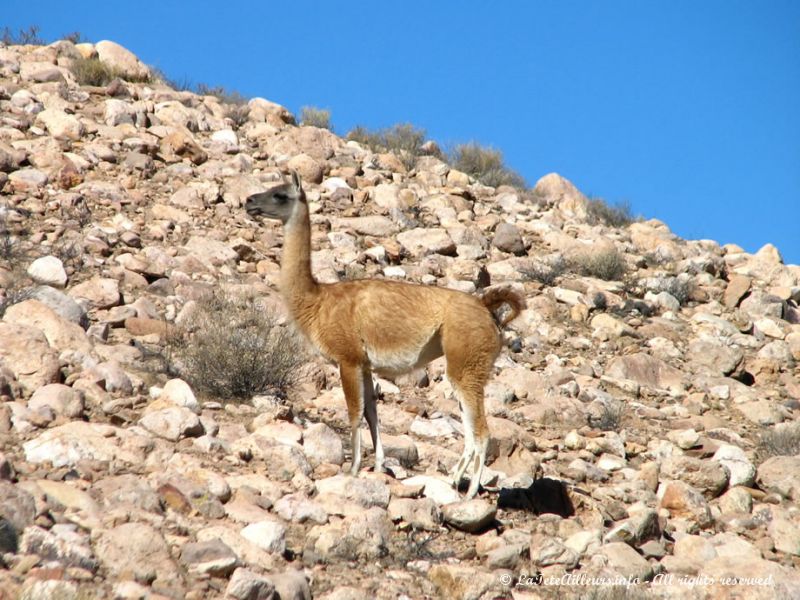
470,515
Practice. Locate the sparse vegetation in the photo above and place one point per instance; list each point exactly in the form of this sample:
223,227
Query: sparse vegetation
545,271
93,71
484,164
679,288
76,37
21,37
316,117
237,113
608,265
613,215
606,415
233,348
225,95
781,440
404,140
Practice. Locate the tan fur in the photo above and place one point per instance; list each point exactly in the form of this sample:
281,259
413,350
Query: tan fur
389,328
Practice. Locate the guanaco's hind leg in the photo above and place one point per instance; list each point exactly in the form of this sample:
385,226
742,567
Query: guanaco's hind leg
371,414
353,386
476,434
471,344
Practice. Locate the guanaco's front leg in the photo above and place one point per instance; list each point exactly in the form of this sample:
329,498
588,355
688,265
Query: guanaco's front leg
353,386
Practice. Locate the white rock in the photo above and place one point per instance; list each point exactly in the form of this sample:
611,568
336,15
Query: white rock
267,535
436,488
48,270
733,458
179,393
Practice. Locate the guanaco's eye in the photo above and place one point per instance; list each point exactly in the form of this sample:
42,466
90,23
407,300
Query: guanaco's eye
281,198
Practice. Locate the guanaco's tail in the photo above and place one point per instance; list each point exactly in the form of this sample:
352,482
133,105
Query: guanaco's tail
494,298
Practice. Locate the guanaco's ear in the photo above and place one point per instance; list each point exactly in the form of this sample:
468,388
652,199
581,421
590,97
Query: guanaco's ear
295,179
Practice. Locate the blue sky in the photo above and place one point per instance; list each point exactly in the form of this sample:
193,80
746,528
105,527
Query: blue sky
689,110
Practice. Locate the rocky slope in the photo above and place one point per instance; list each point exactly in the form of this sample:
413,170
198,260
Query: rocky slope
642,428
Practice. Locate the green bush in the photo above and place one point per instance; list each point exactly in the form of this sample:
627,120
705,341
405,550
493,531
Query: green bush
316,117
613,215
484,164
231,347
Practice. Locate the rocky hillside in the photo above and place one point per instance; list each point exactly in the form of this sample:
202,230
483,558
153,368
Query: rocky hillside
643,411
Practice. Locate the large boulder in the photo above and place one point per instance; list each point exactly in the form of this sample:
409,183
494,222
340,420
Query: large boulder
121,60
25,352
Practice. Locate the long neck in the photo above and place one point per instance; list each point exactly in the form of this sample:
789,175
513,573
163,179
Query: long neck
297,283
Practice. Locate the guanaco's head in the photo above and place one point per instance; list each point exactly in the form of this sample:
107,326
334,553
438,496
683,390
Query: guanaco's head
279,202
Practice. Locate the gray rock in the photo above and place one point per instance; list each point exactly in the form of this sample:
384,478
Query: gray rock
172,423
247,585
508,239
736,500
470,515
75,441
299,509
17,506
27,354
626,561
422,241
322,444
645,370
136,549
48,589
422,513
364,492
361,536
548,551
61,303
734,459
781,475
212,557
709,477
61,399
716,357
128,491
63,544
99,292
292,585
374,225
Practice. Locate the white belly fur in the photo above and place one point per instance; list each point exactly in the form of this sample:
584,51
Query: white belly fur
403,360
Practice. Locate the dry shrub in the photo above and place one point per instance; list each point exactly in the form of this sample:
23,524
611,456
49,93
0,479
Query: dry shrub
613,215
21,37
485,164
233,348
608,265
546,271
606,415
237,113
781,440
224,95
403,139
316,117
94,72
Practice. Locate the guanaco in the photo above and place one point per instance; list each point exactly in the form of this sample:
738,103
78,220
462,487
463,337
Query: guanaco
388,327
